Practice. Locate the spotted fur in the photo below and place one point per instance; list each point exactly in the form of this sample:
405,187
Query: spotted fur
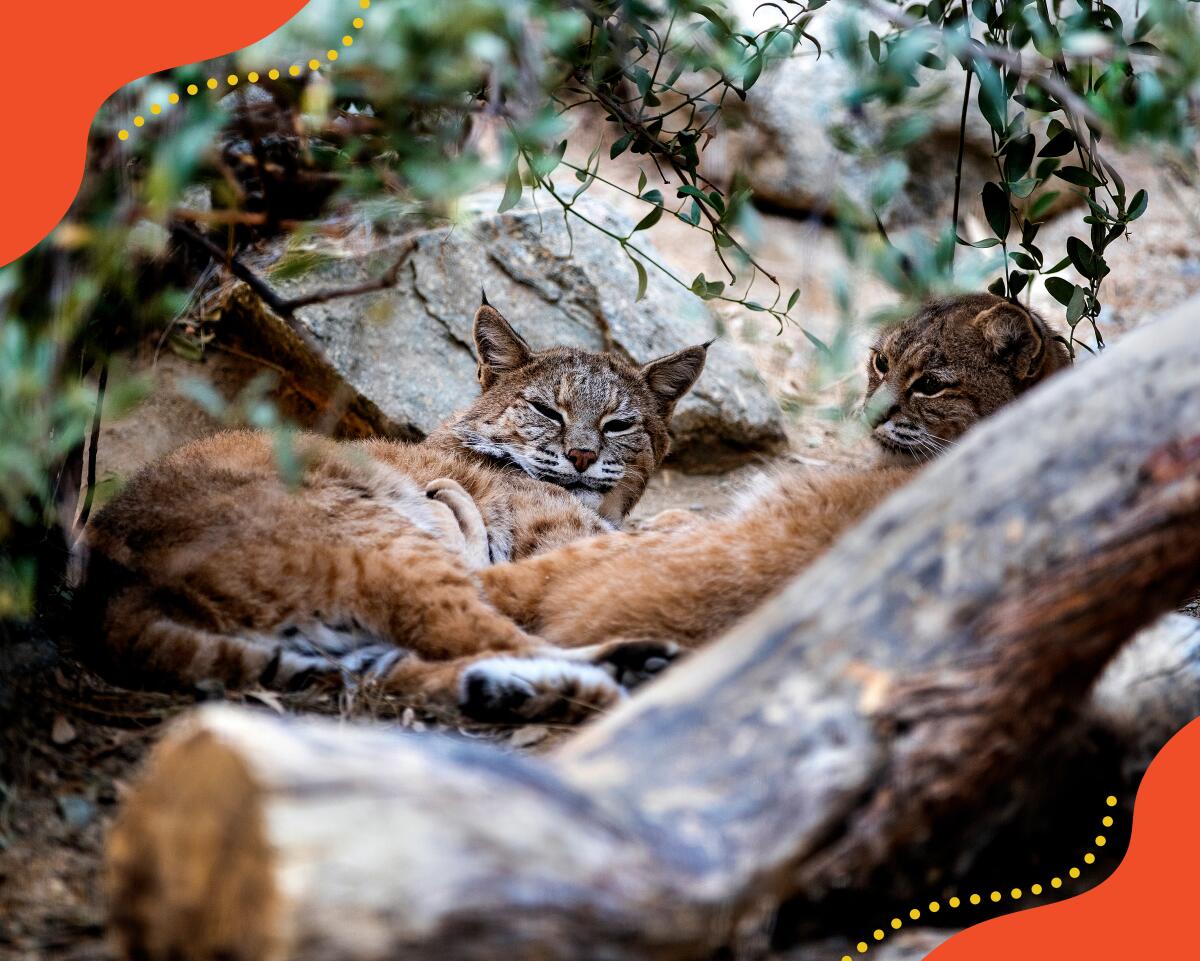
956,360
594,424
210,565
686,581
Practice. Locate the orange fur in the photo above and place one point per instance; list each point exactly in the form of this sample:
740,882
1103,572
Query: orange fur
209,565
212,539
686,582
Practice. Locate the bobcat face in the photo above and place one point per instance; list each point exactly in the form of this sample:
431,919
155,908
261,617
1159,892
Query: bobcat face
955,361
592,423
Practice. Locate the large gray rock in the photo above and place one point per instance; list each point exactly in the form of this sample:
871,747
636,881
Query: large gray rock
406,352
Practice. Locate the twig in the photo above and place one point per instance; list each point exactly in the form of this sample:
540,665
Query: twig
568,210
662,49
219,216
681,168
286,307
385,281
93,445
962,139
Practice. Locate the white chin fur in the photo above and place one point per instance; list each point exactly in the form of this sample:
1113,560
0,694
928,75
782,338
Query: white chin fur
590,499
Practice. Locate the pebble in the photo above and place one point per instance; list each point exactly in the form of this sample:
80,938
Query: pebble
62,731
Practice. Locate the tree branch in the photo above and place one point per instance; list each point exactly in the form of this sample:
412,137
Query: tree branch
962,145
975,51
286,307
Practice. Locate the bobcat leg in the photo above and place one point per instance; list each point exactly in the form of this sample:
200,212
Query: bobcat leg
507,689
174,651
422,598
363,610
518,588
466,513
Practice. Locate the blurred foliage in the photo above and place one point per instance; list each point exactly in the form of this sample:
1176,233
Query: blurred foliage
45,408
1055,81
435,100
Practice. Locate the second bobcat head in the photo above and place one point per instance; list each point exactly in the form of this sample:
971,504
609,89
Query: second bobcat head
955,361
592,423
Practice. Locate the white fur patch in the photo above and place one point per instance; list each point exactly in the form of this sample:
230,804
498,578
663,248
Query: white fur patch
400,494
534,675
500,544
762,486
540,671
588,498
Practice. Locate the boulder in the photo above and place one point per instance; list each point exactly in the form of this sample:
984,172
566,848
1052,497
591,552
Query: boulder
1150,692
788,154
401,360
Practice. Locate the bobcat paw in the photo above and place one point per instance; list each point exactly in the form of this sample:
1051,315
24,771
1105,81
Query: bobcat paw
633,663
514,689
467,519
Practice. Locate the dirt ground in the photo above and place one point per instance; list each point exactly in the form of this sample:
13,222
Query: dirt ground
81,739
78,747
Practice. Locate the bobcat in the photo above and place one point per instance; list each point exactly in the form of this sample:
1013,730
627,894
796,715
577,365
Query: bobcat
686,581
207,565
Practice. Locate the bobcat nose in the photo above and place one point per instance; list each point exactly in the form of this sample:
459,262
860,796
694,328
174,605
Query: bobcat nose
582,459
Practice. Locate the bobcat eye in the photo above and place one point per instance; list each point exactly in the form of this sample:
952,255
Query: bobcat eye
881,364
548,412
928,386
617,426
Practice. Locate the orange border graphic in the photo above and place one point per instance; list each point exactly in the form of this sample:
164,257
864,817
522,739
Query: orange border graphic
62,60
1146,910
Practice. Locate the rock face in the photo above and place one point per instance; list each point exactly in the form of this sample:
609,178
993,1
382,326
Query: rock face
406,355
1150,691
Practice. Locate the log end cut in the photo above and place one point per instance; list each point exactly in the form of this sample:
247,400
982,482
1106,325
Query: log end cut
189,864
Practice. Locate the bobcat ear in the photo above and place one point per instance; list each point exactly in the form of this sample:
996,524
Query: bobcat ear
670,377
498,347
1018,338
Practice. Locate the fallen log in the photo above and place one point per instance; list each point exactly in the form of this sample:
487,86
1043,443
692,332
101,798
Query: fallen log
886,693
1043,815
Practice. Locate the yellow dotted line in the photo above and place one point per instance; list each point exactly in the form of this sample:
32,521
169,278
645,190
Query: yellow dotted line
253,77
995,896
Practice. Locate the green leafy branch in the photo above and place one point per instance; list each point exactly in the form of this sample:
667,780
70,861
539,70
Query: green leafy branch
1050,81
541,169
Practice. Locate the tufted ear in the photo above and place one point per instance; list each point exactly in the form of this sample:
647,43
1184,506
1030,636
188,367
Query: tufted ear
498,347
670,377
1018,338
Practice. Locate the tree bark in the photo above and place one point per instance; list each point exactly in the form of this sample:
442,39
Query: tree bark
891,690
